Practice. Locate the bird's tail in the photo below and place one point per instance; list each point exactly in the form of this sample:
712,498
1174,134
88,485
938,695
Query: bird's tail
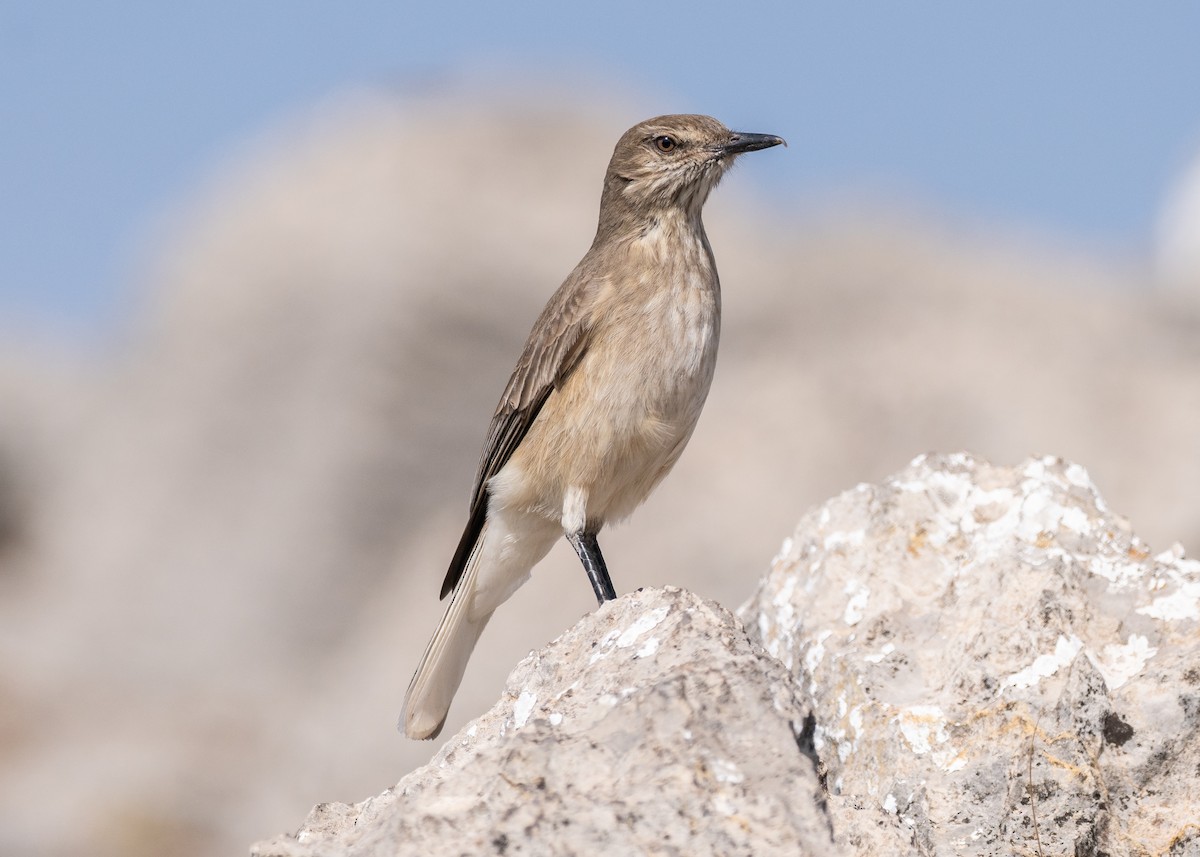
445,660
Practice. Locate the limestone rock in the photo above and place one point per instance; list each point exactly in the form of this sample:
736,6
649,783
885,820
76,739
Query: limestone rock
653,726
980,660
996,665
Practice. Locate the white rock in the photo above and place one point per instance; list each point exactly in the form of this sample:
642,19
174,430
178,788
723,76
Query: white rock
1040,692
697,752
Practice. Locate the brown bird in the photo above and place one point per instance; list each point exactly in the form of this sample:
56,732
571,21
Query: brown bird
605,395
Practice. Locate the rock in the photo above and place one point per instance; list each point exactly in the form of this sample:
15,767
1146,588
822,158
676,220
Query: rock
980,660
995,663
652,726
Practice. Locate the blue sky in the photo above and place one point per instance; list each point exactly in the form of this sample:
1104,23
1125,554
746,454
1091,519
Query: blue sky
1067,119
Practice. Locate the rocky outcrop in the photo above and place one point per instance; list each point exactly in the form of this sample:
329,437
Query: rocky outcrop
996,665
977,660
652,726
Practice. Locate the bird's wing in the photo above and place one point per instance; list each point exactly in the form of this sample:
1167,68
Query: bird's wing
558,339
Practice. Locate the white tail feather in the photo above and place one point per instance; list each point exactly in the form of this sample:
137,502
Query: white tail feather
445,660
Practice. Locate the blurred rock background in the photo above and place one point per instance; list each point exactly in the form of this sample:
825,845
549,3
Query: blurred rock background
221,541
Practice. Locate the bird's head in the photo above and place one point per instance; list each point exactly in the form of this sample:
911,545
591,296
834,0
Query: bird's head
674,162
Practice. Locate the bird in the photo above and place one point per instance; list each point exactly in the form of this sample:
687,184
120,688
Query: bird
604,397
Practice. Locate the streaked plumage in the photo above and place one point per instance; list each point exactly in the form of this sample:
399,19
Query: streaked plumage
606,392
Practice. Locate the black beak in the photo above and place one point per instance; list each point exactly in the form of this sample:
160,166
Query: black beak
739,142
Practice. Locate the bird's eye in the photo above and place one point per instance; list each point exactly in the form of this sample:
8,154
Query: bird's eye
665,143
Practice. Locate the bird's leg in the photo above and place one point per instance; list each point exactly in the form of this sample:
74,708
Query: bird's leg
588,548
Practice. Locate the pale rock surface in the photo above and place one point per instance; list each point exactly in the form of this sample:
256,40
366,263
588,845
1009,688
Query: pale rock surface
979,660
653,726
996,665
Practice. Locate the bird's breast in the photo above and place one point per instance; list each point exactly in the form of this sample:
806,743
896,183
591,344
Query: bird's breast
619,420
676,307
679,327
654,350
